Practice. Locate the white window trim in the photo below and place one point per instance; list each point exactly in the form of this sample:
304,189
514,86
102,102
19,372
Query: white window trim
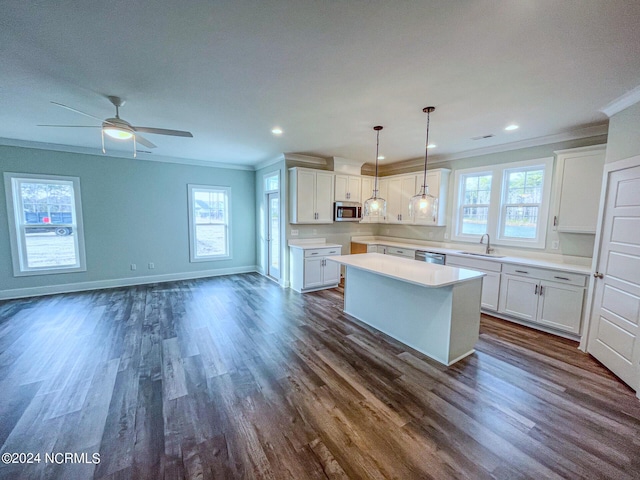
275,173
18,247
192,232
495,208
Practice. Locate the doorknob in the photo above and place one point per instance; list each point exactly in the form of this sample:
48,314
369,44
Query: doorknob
598,275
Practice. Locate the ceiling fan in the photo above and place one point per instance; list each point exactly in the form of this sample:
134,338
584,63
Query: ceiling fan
120,129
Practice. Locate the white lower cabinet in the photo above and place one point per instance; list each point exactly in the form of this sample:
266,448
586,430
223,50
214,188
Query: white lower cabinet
490,282
528,294
310,269
400,252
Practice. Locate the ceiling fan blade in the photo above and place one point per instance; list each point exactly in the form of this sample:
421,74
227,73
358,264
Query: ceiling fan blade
143,141
77,111
163,131
73,126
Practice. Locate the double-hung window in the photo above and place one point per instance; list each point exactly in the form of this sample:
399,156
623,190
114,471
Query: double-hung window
209,222
510,202
45,222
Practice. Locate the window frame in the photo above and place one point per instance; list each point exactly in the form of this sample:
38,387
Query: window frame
193,256
17,229
498,203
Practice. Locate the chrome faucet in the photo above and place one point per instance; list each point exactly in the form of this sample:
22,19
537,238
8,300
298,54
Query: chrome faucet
489,249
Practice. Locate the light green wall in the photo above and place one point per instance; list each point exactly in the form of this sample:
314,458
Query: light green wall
624,134
134,211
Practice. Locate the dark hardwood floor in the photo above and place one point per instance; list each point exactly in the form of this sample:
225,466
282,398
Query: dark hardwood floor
233,377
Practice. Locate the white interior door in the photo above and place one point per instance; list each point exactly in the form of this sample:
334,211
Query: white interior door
273,235
614,328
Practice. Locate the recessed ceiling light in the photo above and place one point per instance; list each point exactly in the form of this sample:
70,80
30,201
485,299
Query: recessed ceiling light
431,145
381,157
276,131
512,127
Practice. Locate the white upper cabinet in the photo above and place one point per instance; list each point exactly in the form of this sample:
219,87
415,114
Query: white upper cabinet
348,188
400,189
578,185
311,195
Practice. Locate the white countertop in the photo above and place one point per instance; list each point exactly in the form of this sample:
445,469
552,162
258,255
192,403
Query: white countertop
310,243
407,270
532,262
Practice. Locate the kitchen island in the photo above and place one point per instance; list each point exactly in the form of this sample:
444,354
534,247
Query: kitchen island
434,309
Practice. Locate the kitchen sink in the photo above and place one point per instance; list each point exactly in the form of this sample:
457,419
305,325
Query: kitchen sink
482,254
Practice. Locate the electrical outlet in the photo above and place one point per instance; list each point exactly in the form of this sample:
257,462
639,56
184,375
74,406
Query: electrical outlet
294,233
555,245
446,236
133,267
152,265
430,235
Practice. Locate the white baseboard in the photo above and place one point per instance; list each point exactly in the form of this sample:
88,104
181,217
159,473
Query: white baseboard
120,282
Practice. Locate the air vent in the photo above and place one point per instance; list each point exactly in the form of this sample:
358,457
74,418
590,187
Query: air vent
482,137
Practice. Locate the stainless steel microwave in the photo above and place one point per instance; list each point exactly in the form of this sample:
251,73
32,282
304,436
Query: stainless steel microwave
347,212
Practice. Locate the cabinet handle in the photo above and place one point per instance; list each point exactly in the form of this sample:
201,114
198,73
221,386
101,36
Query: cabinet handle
332,251
598,275
541,289
555,221
522,271
562,278
536,292
399,251
314,253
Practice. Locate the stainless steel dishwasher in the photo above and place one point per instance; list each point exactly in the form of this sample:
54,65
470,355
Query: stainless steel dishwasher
430,257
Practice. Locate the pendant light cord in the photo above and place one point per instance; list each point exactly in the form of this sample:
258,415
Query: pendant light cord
428,110
377,149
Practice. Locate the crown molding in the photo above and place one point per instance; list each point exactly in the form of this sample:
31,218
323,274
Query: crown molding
56,147
269,162
625,101
299,158
585,132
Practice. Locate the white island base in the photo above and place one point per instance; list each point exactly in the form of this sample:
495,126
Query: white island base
434,311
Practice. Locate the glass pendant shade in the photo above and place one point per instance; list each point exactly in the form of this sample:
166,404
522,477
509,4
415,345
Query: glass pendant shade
374,206
423,206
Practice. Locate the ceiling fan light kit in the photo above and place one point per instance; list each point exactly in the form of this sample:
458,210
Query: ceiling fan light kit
119,129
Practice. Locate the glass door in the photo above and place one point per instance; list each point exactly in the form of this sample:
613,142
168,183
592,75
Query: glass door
273,235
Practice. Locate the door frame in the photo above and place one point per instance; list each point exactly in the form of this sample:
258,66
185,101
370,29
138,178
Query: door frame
264,227
269,232
609,168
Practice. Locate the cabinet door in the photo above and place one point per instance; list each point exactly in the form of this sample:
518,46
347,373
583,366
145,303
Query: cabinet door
490,290
394,200
408,186
518,297
366,189
581,174
312,272
330,272
305,196
324,197
355,185
342,188
560,306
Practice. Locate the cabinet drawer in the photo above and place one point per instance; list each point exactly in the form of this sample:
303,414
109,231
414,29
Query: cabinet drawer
544,274
401,252
322,252
472,263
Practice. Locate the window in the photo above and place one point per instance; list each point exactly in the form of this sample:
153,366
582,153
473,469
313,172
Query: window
209,222
45,221
509,202
476,197
272,182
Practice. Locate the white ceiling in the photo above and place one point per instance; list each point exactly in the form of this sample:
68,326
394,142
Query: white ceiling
324,71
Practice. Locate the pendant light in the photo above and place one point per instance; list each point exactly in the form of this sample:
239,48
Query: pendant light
376,206
423,206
